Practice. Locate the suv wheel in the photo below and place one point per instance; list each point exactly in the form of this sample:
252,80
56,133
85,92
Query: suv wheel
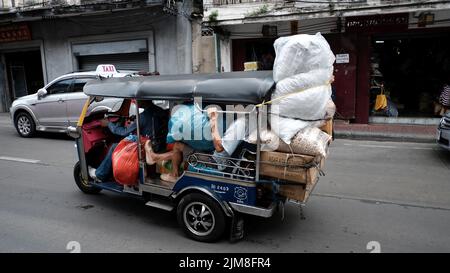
25,125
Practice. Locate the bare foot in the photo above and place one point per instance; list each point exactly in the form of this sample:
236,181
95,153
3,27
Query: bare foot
169,178
149,153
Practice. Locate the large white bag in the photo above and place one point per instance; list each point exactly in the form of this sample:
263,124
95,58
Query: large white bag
303,81
287,128
307,105
300,53
308,141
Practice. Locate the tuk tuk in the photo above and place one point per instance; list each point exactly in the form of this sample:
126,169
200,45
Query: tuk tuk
208,201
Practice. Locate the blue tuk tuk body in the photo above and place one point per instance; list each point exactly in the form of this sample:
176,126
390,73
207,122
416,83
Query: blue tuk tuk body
205,201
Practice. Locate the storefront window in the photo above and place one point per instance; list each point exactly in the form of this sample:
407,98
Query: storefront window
411,70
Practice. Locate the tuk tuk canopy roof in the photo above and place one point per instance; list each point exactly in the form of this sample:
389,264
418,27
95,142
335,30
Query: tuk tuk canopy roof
231,87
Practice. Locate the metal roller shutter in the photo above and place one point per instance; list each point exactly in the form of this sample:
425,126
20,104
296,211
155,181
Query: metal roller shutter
128,61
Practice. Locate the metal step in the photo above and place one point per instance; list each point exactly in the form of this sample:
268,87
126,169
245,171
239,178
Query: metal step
160,205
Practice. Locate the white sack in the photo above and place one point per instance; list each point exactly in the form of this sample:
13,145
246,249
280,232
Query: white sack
302,81
330,109
269,140
234,135
310,104
308,141
300,53
287,128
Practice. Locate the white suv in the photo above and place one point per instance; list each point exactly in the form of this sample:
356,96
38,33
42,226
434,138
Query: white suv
59,104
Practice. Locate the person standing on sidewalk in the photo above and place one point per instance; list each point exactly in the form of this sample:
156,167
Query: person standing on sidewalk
444,98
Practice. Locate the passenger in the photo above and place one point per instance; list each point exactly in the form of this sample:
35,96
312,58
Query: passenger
151,121
211,141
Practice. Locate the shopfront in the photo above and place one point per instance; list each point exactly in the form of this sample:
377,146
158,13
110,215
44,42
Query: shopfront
143,40
406,59
20,62
411,68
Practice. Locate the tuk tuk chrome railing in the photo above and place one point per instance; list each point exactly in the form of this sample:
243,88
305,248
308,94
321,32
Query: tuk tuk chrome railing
234,168
253,110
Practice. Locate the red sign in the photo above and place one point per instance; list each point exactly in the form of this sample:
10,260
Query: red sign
377,23
13,33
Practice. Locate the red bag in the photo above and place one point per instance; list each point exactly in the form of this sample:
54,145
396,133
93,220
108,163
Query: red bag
125,162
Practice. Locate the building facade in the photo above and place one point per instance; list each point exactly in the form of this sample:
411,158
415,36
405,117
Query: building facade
398,47
40,41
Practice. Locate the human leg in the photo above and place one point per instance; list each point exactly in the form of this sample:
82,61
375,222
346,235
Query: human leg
104,170
152,157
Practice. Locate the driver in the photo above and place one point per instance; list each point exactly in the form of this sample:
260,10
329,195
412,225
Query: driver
152,123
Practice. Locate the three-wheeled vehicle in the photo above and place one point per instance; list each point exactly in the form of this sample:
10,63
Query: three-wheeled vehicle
207,201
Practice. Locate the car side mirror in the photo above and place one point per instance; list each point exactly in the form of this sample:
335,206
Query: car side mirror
41,93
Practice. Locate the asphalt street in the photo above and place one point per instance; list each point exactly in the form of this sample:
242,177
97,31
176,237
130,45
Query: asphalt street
394,193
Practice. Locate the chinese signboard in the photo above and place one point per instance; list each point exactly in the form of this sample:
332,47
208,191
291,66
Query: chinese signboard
13,33
376,23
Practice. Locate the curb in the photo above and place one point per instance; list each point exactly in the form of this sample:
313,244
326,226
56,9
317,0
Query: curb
385,136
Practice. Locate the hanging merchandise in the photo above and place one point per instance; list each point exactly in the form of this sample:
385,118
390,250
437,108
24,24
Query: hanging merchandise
381,101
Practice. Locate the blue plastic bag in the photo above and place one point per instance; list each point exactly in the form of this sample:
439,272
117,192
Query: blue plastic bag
191,126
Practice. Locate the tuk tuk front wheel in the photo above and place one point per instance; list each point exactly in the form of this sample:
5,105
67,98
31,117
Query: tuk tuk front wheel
82,184
200,217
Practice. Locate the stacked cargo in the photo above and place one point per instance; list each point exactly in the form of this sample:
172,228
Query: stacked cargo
301,112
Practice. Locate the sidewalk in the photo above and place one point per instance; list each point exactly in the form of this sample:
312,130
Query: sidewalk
395,132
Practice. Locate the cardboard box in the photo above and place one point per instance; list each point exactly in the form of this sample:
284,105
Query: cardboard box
297,192
328,127
289,167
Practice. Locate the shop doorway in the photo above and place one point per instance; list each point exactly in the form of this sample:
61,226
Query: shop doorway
412,70
253,50
24,73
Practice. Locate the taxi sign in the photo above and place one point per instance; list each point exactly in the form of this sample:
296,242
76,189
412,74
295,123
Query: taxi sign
106,70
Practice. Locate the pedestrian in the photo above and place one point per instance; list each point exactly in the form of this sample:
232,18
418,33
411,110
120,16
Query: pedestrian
444,98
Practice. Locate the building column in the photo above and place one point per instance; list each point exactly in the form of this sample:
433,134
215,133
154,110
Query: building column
363,79
3,86
184,38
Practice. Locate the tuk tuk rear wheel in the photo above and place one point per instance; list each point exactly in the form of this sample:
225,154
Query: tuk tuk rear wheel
82,184
201,217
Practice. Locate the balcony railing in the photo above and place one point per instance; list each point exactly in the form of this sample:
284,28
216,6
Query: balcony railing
30,4
234,2
14,5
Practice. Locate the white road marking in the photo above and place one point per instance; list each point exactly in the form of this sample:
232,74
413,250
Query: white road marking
18,159
390,147
381,201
